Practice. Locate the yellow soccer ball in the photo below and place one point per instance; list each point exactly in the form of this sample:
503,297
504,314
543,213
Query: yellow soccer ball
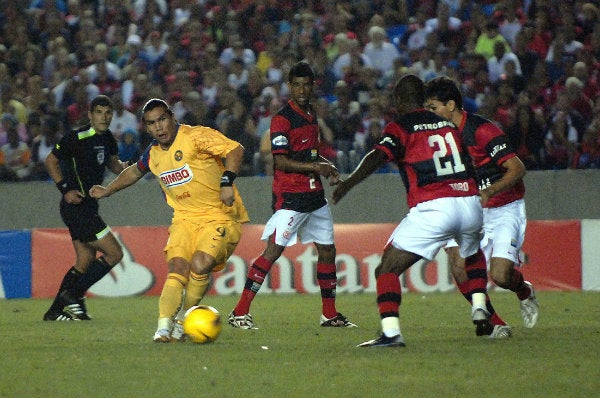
202,324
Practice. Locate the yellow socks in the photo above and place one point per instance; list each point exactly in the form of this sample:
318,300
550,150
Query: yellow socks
171,296
196,288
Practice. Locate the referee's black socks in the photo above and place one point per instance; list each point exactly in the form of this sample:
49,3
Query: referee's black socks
96,271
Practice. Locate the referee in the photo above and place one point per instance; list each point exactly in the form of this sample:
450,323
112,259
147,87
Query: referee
75,164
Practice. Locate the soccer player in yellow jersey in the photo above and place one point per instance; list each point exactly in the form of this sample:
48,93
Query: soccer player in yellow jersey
208,211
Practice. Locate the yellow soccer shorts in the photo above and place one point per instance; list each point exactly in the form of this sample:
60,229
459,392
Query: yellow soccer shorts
215,238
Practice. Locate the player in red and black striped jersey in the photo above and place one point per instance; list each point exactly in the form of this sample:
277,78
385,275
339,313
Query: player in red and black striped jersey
499,173
493,159
295,136
299,204
429,174
441,195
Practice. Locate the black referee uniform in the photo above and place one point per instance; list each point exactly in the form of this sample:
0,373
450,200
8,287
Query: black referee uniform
84,156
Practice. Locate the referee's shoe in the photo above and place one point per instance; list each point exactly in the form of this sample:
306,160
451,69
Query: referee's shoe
74,307
58,316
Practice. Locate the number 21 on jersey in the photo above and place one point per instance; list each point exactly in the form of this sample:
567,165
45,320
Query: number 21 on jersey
440,145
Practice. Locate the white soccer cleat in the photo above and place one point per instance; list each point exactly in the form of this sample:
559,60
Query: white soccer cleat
501,332
177,334
162,336
530,308
241,321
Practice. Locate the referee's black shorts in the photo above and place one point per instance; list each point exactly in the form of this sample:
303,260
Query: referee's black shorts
83,220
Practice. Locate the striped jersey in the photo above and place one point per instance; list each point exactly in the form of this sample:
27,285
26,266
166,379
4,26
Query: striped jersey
295,134
189,173
489,148
430,157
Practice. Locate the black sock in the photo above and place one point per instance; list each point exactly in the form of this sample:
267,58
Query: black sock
68,282
96,271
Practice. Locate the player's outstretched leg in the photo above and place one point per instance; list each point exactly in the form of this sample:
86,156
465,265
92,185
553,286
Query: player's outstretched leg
508,277
240,316
474,289
389,296
170,301
327,279
530,307
56,311
194,292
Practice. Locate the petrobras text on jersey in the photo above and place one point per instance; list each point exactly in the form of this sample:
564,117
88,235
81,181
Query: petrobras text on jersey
180,176
433,126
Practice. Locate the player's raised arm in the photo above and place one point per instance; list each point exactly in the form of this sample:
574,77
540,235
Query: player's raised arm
367,166
333,172
117,166
127,177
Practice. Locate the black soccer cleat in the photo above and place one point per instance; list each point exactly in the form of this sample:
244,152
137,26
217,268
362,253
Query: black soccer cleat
85,316
58,316
481,320
384,341
73,306
338,321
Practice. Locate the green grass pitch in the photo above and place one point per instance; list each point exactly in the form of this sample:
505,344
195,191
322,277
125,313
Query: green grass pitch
290,356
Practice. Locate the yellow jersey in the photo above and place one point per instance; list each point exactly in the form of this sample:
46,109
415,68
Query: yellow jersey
189,173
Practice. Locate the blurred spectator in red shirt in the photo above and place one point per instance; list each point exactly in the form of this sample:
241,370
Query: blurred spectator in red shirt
579,101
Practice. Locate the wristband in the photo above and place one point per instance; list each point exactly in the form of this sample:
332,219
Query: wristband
227,178
62,186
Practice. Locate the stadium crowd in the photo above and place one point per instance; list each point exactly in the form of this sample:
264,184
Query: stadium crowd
532,66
